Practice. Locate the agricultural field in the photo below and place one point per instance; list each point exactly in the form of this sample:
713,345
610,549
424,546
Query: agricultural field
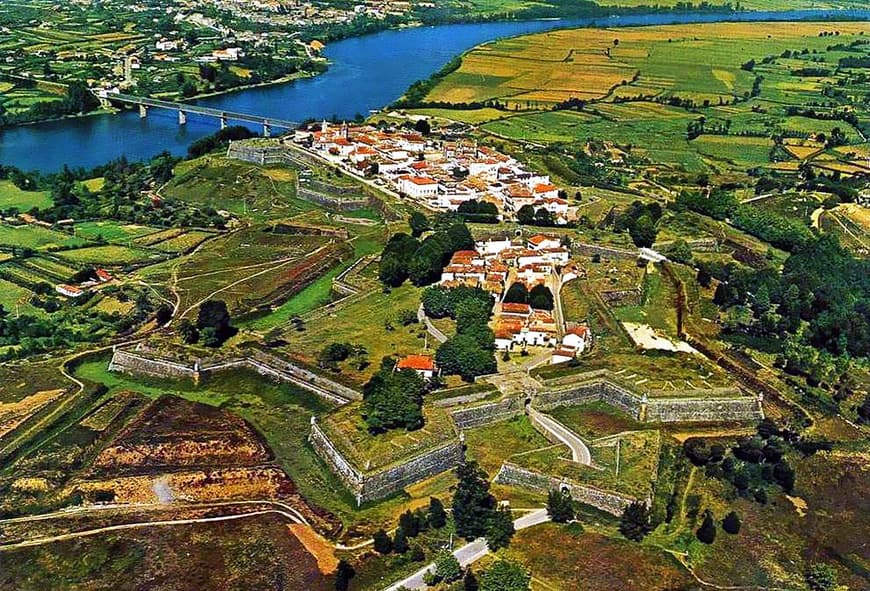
247,268
36,237
643,88
112,231
11,197
258,552
109,256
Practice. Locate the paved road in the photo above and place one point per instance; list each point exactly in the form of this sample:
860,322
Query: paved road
579,451
436,334
471,552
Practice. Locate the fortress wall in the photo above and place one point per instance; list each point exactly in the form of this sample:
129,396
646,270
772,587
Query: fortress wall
476,416
513,475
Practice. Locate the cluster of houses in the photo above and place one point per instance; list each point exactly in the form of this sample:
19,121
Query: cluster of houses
494,265
77,291
439,174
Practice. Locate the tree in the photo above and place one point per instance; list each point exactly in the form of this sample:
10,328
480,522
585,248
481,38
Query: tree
472,503
343,574
187,331
436,302
500,530
422,126
447,567
214,315
731,523
437,514
382,542
635,522
469,582
419,223
409,523
680,252
517,293
505,575
393,399
643,232
526,215
541,298
707,532
462,355
560,506
400,542
821,577
784,475
163,315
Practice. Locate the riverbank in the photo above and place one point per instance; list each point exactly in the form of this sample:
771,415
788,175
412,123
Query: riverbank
365,73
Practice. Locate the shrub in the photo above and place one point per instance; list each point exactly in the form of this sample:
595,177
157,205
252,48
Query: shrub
731,523
635,522
382,542
707,532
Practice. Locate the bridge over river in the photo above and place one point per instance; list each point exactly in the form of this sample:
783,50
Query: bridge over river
183,109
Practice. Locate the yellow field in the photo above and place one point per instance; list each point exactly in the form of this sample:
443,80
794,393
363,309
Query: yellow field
546,68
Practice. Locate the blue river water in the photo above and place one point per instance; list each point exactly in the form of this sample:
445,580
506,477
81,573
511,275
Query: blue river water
365,73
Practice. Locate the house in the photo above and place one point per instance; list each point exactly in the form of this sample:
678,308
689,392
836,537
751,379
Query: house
418,187
562,355
545,191
542,241
516,311
578,338
103,276
493,246
424,365
69,291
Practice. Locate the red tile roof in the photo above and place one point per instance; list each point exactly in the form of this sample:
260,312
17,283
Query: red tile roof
417,363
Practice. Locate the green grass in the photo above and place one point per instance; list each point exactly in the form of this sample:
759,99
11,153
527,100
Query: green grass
347,430
108,256
112,231
492,445
14,299
364,322
11,196
35,237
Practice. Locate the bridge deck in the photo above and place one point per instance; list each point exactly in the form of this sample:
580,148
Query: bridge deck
197,109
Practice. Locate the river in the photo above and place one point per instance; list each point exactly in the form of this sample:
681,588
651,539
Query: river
365,73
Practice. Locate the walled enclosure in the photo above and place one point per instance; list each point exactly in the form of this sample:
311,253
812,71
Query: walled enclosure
370,486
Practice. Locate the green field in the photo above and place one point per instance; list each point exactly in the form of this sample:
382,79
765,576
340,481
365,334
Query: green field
370,322
36,237
643,87
108,256
13,197
112,231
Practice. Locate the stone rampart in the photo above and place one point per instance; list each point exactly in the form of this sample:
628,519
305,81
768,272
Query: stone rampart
606,251
385,482
382,483
476,416
676,410
611,502
134,363
139,363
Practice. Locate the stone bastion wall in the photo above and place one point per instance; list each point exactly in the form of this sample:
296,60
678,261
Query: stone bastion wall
687,409
381,483
611,502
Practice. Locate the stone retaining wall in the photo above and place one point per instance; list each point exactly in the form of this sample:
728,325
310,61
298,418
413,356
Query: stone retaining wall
674,410
476,416
616,253
611,502
382,483
138,363
131,363
719,408
386,482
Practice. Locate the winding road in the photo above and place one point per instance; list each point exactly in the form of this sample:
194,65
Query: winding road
436,334
471,552
579,452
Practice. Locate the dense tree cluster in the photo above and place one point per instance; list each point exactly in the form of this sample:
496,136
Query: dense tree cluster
393,399
475,511
481,212
220,139
469,352
213,323
560,506
640,220
404,257
754,463
78,99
